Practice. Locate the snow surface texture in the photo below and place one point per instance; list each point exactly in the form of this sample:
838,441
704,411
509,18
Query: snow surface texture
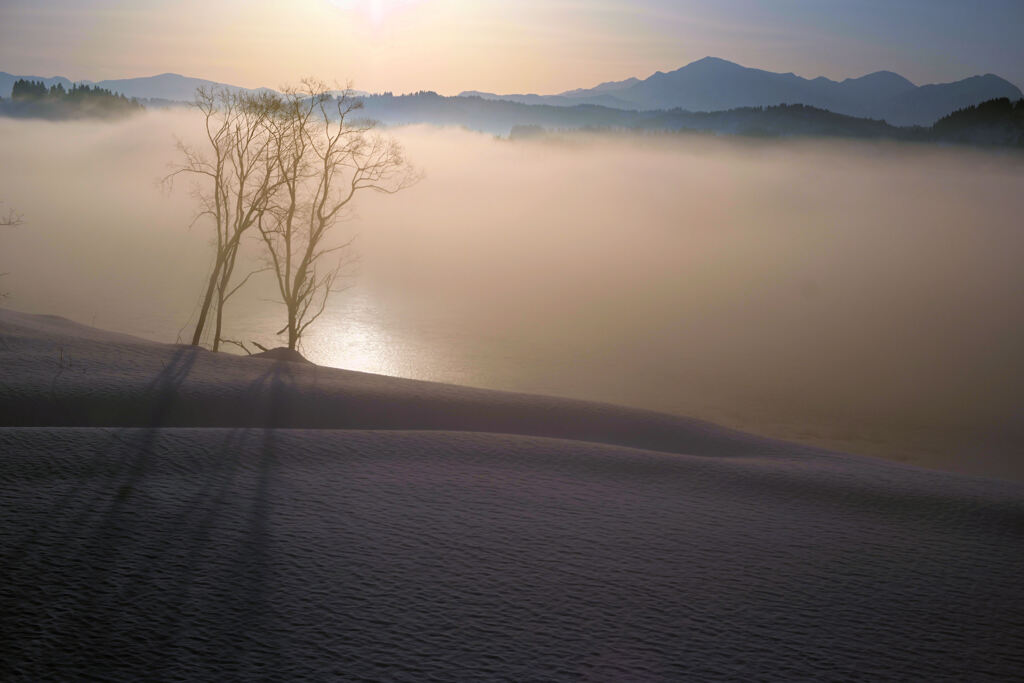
169,513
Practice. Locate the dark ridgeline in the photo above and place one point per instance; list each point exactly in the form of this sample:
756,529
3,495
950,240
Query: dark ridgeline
995,122
33,99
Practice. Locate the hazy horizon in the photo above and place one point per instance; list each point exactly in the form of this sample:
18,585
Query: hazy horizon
284,84
454,45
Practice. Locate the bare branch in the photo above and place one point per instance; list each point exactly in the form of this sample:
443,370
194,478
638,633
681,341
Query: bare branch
244,280
238,344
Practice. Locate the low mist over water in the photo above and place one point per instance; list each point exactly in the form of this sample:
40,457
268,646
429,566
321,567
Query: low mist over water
860,296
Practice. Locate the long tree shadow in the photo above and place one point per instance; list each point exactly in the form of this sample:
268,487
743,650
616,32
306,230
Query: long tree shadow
145,564
161,393
253,564
163,389
92,531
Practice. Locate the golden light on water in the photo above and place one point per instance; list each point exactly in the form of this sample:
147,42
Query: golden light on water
352,345
353,336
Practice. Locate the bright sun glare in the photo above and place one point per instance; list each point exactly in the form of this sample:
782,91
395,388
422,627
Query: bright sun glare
377,11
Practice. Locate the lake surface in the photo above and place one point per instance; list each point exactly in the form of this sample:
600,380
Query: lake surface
366,331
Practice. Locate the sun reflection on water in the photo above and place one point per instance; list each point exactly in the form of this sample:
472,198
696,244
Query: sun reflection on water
352,335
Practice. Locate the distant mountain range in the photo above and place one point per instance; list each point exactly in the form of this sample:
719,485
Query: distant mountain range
670,101
713,84
707,85
169,87
997,122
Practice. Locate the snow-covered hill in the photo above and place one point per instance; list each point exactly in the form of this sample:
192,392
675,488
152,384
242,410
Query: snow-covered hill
167,512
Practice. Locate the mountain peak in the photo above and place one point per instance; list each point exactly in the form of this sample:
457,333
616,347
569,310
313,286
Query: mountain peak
889,77
712,60
710,63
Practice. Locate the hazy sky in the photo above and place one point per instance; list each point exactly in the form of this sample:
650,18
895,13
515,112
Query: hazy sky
505,45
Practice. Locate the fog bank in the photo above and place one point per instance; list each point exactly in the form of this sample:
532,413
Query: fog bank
859,296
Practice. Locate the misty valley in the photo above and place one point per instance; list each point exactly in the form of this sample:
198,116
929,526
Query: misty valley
710,371
856,296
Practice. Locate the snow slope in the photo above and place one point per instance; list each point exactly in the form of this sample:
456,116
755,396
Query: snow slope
173,513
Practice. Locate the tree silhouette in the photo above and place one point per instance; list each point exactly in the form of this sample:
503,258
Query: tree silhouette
324,158
9,220
236,177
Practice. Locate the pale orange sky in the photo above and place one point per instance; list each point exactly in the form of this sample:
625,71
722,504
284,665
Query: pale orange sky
502,45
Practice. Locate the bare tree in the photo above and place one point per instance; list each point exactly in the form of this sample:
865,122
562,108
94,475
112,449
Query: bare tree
236,173
11,219
324,158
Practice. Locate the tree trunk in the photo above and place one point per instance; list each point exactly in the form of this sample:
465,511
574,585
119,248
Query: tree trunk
207,300
293,332
217,324
222,288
